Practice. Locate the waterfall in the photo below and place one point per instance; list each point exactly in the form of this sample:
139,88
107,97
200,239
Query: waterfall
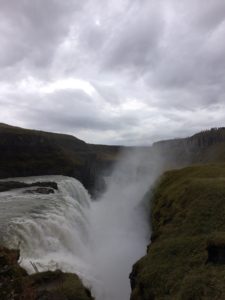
120,223
52,231
99,240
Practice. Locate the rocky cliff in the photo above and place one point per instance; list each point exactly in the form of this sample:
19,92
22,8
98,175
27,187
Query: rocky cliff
26,152
203,147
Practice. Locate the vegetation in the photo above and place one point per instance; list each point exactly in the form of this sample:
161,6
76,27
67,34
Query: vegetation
186,259
59,285
15,284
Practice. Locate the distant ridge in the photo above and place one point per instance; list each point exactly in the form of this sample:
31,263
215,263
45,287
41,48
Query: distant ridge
27,152
203,147
203,138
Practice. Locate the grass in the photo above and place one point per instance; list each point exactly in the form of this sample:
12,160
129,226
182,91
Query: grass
188,214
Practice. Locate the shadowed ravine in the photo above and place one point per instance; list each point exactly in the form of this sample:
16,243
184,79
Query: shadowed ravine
98,240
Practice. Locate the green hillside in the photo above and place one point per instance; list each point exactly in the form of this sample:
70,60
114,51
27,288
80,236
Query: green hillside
186,259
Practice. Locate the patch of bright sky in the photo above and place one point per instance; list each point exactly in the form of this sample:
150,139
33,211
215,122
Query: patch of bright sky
133,104
31,84
69,83
97,22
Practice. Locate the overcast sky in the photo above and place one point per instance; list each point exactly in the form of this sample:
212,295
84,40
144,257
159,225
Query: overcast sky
115,72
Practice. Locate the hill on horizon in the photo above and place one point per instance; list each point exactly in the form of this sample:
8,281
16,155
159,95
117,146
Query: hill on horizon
27,152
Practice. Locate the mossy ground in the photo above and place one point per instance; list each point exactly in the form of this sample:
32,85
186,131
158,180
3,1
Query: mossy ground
59,285
188,215
15,284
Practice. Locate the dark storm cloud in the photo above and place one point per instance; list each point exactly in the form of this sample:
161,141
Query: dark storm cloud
141,70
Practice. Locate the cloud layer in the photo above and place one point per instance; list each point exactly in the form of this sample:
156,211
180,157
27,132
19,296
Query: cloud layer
115,72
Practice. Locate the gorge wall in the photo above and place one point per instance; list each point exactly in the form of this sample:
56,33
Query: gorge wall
203,147
26,152
186,257
188,245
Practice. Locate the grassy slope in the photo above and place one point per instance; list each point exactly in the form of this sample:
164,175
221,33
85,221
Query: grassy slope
188,214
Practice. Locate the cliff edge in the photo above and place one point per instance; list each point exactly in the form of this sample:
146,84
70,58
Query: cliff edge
186,257
25,152
16,284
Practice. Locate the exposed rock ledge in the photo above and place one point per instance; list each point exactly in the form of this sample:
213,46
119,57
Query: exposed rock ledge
44,186
16,284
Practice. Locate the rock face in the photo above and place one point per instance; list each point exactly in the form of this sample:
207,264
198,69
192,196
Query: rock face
10,185
186,258
40,190
29,152
204,147
15,284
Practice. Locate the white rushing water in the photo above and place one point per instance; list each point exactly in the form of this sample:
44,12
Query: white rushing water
99,240
52,230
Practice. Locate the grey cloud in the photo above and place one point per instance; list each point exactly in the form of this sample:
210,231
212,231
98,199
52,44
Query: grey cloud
32,30
175,53
207,16
109,93
135,39
68,111
189,100
166,55
92,36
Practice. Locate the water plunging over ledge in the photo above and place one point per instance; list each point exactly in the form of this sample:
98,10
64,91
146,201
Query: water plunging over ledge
99,240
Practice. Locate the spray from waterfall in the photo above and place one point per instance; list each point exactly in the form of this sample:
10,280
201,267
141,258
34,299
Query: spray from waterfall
99,240
52,231
120,222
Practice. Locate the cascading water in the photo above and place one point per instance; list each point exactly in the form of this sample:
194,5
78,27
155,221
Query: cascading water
99,240
52,231
120,227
